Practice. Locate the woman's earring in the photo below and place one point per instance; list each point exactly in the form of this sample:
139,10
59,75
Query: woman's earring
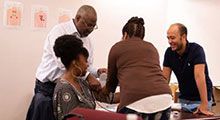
73,75
76,66
79,69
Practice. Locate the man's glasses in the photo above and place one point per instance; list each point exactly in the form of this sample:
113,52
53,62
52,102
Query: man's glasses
94,27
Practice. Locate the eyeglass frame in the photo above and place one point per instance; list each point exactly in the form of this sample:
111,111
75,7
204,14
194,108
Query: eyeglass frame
93,27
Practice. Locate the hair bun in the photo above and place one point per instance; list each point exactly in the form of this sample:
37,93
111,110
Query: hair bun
65,44
58,52
141,21
136,20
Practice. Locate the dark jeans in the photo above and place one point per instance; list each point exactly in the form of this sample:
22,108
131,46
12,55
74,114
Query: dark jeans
161,115
41,107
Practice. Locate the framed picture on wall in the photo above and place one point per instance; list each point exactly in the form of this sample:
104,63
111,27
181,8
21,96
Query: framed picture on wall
13,14
39,16
64,15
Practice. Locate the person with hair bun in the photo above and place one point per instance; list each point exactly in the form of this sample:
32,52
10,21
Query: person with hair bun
134,64
71,90
50,68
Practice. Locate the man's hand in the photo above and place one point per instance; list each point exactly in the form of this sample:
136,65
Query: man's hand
203,108
102,70
94,84
199,73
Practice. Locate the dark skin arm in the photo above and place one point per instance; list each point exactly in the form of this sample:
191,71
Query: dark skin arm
94,84
104,96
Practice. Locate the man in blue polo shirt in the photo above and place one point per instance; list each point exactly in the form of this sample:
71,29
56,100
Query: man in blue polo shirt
187,61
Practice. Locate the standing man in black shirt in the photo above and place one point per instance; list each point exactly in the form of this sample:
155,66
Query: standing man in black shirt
187,61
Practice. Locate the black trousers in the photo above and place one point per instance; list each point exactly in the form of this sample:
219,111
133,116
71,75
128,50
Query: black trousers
41,107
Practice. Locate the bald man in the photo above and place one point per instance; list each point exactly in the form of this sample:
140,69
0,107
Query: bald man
187,61
51,68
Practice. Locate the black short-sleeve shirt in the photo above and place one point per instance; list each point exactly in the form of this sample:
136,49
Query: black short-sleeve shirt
183,68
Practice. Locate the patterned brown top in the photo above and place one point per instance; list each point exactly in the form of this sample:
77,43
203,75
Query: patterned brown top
67,97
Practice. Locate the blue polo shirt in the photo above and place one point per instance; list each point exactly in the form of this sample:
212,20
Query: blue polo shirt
183,68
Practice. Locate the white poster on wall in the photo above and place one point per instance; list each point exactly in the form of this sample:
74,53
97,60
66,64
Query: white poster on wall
64,15
13,14
39,16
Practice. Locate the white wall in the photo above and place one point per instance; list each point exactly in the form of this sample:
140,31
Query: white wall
113,14
21,48
202,20
21,51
